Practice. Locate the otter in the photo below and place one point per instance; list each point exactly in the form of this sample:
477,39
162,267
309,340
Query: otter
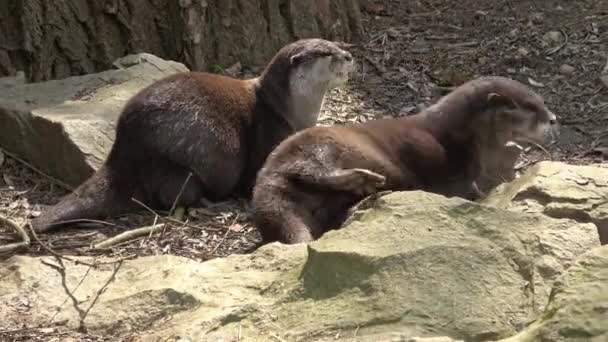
213,131
313,178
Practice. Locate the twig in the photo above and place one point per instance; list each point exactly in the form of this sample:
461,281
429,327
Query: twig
539,146
87,221
225,235
71,292
26,329
25,239
179,195
129,235
463,44
65,186
356,332
101,290
376,65
77,262
277,338
55,254
167,218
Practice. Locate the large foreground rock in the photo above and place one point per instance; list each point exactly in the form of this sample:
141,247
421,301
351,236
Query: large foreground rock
415,264
578,310
66,127
559,190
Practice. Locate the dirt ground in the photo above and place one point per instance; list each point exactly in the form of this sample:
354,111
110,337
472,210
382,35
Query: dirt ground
412,52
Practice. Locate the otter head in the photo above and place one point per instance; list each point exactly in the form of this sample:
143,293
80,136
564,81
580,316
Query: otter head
520,115
318,63
297,79
512,114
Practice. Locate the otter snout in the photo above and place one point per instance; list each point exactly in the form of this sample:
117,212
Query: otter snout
547,131
347,56
553,126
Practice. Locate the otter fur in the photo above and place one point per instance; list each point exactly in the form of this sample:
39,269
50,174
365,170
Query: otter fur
219,129
311,180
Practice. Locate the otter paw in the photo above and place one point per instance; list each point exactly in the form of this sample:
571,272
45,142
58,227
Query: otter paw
367,182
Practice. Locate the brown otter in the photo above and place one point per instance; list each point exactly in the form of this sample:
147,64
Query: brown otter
310,181
218,128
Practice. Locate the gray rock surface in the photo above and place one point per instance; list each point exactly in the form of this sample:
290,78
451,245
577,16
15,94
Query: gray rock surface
559,190
578,310
66,127
408,264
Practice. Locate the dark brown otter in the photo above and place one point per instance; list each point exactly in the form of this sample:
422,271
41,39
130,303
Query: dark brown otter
312,178
219,128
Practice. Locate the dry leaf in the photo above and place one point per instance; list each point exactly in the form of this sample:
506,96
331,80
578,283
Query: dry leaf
13,205
237,227
233,70
535,83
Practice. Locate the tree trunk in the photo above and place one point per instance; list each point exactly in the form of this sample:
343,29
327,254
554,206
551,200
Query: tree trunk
51,39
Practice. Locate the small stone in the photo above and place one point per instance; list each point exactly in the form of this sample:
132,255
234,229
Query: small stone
604,79
523,51
393,33
537,18
566,69
511,71
552,37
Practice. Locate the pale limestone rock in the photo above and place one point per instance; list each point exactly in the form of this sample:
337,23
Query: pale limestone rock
559,190
66,127
578,310
410,264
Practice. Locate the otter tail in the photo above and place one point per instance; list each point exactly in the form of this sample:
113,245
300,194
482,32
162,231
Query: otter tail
103,194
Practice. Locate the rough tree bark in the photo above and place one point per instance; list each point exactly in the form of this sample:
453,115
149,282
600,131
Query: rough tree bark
50,39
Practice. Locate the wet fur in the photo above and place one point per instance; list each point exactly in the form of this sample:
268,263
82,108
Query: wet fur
219,128
311,179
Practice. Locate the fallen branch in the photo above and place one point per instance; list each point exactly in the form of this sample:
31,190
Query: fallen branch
77,262
129,235
25,238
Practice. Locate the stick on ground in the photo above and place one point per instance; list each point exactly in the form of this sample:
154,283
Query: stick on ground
25,238
129,235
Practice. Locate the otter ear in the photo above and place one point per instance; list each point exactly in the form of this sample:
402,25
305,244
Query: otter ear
297,59
497,100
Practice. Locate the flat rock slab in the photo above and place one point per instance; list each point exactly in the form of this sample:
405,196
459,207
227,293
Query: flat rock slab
409,264
66,127
559,190
578,310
